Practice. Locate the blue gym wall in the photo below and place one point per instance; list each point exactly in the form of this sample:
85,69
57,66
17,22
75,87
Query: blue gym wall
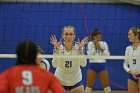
38,21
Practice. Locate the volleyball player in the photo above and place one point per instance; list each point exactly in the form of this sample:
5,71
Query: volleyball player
26,76
97,66
132,66
68,69
42,62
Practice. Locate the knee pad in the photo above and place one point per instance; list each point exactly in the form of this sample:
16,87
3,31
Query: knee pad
107,89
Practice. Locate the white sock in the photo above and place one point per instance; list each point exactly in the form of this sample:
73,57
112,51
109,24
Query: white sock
107,90
88,89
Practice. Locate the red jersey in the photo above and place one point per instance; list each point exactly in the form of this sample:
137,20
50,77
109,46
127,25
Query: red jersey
28,79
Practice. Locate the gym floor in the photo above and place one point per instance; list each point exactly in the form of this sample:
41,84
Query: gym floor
113,91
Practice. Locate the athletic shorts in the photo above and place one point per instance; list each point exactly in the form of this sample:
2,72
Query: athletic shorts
133,79
97,67
74,86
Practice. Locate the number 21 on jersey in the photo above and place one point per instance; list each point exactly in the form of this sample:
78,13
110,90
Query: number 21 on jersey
68,64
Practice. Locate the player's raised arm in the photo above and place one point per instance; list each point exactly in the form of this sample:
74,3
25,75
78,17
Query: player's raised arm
56,43
81,44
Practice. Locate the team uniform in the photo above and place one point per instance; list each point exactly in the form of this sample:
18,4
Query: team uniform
46,63
28,79
68,69
132,64
97,64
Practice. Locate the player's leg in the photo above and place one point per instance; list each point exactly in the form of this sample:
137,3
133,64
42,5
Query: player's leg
132,86
139,84
105,80
91,77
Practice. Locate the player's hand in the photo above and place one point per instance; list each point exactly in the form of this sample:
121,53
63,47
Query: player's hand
97,45
139,83
55,42
82,42
135,76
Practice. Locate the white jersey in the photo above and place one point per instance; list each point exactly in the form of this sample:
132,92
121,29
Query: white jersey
92,51
132,64
68,69
47,64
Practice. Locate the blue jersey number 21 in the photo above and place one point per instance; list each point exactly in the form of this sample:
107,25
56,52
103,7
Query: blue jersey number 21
68,64
134,61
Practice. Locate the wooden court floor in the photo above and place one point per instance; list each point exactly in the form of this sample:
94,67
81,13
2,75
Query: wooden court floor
113,91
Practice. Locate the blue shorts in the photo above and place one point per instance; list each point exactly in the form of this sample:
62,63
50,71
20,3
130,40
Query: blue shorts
97,67
74,86
133,79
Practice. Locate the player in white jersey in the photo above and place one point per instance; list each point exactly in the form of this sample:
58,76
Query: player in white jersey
132,66
42,62
97,66
68,69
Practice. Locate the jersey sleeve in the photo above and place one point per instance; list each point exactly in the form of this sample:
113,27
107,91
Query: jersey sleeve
47,64
125,64
55,86
55,62
55,59
90,49
83,61
106,49
4,82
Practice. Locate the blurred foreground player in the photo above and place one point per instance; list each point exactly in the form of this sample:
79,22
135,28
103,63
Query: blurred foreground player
26,76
